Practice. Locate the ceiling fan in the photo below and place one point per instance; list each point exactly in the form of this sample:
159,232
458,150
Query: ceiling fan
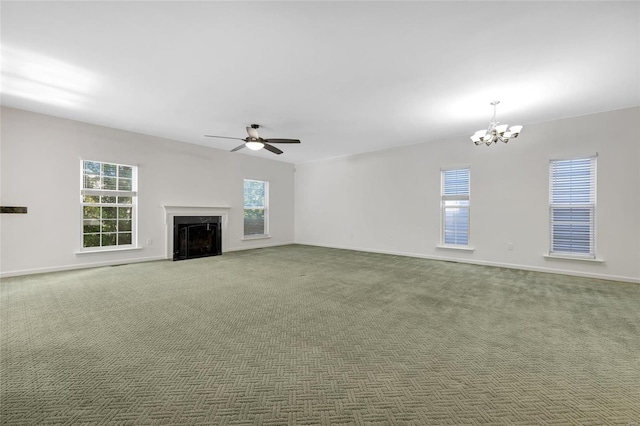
255,142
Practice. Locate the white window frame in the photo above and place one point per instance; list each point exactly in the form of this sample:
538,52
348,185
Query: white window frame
133,193
590,206
454,197
265,208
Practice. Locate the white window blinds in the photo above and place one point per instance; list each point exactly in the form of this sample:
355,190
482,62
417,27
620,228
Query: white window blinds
572,211
455,206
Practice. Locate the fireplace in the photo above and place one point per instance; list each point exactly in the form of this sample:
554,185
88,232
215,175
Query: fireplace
196,236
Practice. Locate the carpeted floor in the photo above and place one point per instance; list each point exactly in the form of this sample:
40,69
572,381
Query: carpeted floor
309,335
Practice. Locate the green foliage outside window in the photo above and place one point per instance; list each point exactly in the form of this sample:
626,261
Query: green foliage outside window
253,221
254,193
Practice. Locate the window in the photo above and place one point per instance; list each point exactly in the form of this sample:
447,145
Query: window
109,201
572,207
455,207
256,201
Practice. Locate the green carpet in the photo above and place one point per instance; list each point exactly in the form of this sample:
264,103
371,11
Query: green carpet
308,335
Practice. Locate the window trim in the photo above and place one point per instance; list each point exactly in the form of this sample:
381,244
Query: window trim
593,206
106,192
265,208
457,197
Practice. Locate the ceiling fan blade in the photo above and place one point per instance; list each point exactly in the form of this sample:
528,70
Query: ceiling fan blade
272,149
282,140
253,132
237,148
223,137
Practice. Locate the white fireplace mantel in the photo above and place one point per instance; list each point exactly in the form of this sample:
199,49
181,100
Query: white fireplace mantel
171,211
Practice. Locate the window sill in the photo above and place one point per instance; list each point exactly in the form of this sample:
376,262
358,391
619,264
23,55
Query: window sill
107,250
463,248
579,258
256,237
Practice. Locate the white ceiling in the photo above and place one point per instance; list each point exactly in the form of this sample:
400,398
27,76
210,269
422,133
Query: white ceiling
344,77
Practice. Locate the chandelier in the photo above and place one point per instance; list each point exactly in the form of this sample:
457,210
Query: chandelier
495,132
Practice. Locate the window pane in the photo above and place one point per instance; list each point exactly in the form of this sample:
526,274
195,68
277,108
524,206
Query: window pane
124,184
573,181
455,182
253,221
571,230
109,239
91,181
109,169
109,199
571,238
124,212
124,200
91,168
575,215
109,183
91,225
91,212
109,225
254,194
124,225
456,225
125,171
91,240
124,238
91,199
109,212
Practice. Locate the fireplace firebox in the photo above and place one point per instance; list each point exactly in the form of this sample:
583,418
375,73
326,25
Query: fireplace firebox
196,236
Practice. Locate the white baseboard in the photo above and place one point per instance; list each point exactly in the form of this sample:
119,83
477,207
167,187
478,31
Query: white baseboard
77,266
397,253
265,245
6,274
486,263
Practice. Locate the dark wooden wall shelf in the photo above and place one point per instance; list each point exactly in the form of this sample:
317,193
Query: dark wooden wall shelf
7,209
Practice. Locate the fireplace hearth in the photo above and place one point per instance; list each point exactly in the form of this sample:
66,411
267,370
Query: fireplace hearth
196,236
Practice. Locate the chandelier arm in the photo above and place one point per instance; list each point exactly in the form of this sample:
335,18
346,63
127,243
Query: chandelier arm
492,134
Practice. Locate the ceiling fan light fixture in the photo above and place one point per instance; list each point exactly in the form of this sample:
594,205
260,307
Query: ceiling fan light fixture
255,143
254,146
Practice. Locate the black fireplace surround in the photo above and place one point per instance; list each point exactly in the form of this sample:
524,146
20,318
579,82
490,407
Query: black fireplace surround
196,236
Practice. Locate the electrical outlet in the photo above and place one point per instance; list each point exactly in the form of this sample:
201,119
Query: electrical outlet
149,241
510,246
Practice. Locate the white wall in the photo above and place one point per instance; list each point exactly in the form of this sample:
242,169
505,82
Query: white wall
40,169
389,201
386,201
